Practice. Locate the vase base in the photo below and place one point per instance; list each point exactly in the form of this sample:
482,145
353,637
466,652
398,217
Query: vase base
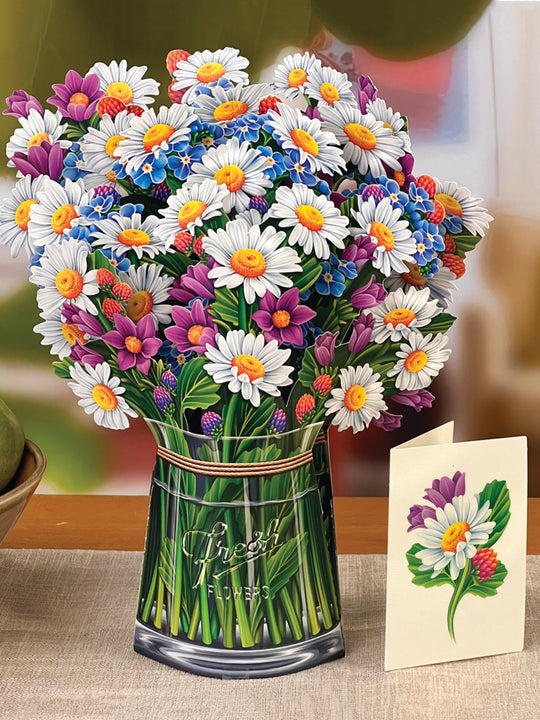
239,664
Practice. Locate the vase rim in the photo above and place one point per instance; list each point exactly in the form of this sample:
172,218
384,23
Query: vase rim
305,428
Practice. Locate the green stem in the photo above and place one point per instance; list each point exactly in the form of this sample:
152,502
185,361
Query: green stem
456,597
242,311
271,619
205,614
147,609
177,593
246,636
290,612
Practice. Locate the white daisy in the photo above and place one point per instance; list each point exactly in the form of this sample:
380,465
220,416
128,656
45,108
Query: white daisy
390,119
420,360
151,133
126,85
441,286
401,313
150,293
227,105
366,141
34,130
60,335
452,538
15,215
238,167
189,207
329,86
101,143
101,395
291,76
295,131
394,243
62,276
358,401
57,210
316,221
247,257
203,68
248,364
121,234
459,201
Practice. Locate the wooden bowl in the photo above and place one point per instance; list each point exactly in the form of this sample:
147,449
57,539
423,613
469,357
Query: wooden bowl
14,497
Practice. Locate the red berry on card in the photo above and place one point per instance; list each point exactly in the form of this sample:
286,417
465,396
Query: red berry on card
122,290
428,184
174,57
110,106
175,96
438,213
449,244
183,241
110,307
105,277
454,263
135,110
269,103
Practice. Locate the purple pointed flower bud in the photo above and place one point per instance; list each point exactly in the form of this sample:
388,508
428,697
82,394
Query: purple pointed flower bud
325,346
44,159
313,112
106,191
211,422
162,399
278,421
369,295
20,103
359,251
362,327
374,191
418,515
443,491
366,91
387,421
169,380
258,202
417,399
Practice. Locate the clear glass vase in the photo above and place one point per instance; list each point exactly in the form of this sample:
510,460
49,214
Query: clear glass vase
239,577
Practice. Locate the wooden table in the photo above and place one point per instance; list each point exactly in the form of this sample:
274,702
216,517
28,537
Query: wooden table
118,522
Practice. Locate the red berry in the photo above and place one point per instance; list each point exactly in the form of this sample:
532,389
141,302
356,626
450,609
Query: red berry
198,245
110,106
454,263
449,244
269,103
122,290
304,407
110,307
484,563
428,184
135,110
183,241
323,384
175,96
174,57
105,277
438,213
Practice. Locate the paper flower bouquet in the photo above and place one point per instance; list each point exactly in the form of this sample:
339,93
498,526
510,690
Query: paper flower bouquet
242,269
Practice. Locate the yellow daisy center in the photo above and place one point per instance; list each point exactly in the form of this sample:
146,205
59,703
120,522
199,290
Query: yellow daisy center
133,344
387,125
121,91
415,361
450,204
112,144
38,138
69,283
210,72
309,217
281,318
189,212
156,135
229,110
62,218
297,77
329,93
360,136
248,262
454,535
79,98
399,177
399,316
72,333
305,141
133,238
355,398
104,397
248,365
111,176
383,235
139,305
194,334
232,176
22,213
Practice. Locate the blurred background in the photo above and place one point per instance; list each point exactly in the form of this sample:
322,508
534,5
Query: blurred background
467,75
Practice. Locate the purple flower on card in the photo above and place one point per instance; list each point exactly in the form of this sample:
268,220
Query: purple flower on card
136,343
194,328
446,489
418,514
366,92
281,317
417,399
359,251
369,295
325,346
84,355
387,421
362,327
194,283
77,97
44,159
20,103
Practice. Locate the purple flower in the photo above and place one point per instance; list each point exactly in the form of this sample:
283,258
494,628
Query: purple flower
313,112
193,283
278,421
281,318
387,421
443,491
366,92
194,328
78,97
89,324
136,344
418,515
369,295
359,251
169,380
82,354
162,399
211,423
20,103
44,159
417,399
325,346
407,177
362,327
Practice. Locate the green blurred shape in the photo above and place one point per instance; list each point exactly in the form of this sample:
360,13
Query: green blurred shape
18,315
76,457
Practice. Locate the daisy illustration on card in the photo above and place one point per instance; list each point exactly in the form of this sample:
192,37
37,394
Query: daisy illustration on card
454,537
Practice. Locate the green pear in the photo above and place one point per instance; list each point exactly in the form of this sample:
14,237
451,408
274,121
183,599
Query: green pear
11,444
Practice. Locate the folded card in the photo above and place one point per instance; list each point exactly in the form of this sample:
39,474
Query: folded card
456,549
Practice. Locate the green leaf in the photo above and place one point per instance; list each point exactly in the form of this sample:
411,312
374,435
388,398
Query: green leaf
346,207
311,269
175,263
61,368
488,588
423,577
196,389
166,563
498,496
249,421
441,324
333,316
308,371
97,261
225,307
465,243
283,563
